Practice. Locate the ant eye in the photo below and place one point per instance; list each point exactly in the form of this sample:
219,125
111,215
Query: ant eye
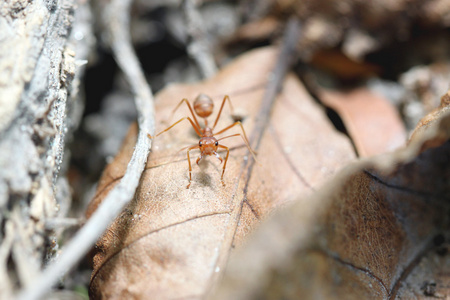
200,143
217,143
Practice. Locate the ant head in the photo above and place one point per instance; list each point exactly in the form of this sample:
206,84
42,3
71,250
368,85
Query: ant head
203,106
208,145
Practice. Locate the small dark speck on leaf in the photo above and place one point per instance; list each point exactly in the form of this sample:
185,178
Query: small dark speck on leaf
429,288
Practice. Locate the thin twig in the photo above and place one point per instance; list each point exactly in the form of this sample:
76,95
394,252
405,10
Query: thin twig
198,46
286,58
62,223
117,16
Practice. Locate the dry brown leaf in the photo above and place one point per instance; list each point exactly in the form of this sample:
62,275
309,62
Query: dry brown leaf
342,67
372,121
173,242
370,233
431,118
257,31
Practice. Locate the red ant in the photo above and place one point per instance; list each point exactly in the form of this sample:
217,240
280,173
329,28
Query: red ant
208,144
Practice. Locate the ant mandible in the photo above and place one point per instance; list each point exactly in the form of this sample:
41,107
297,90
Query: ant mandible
208,144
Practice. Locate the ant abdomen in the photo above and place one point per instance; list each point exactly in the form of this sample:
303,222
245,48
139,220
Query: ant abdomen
203,106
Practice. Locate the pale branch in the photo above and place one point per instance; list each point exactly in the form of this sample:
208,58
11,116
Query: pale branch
116,15
198,46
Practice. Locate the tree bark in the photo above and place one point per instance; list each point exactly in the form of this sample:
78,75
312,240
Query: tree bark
44,45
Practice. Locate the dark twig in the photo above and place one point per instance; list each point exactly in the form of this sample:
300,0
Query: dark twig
285,60
117,16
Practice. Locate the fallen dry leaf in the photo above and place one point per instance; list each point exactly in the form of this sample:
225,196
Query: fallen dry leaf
431,118
378,230
258,30
337,63
173,242
371,121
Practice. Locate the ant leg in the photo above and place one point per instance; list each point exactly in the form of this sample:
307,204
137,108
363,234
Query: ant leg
190,108
218,157
244,137
246,143
199,159
189,161
221,107
182,119
225,163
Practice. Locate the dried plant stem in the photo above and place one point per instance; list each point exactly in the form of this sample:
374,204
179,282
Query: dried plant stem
198,46
286,57
285,61
117,16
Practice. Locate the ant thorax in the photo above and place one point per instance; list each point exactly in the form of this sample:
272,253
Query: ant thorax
207,132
